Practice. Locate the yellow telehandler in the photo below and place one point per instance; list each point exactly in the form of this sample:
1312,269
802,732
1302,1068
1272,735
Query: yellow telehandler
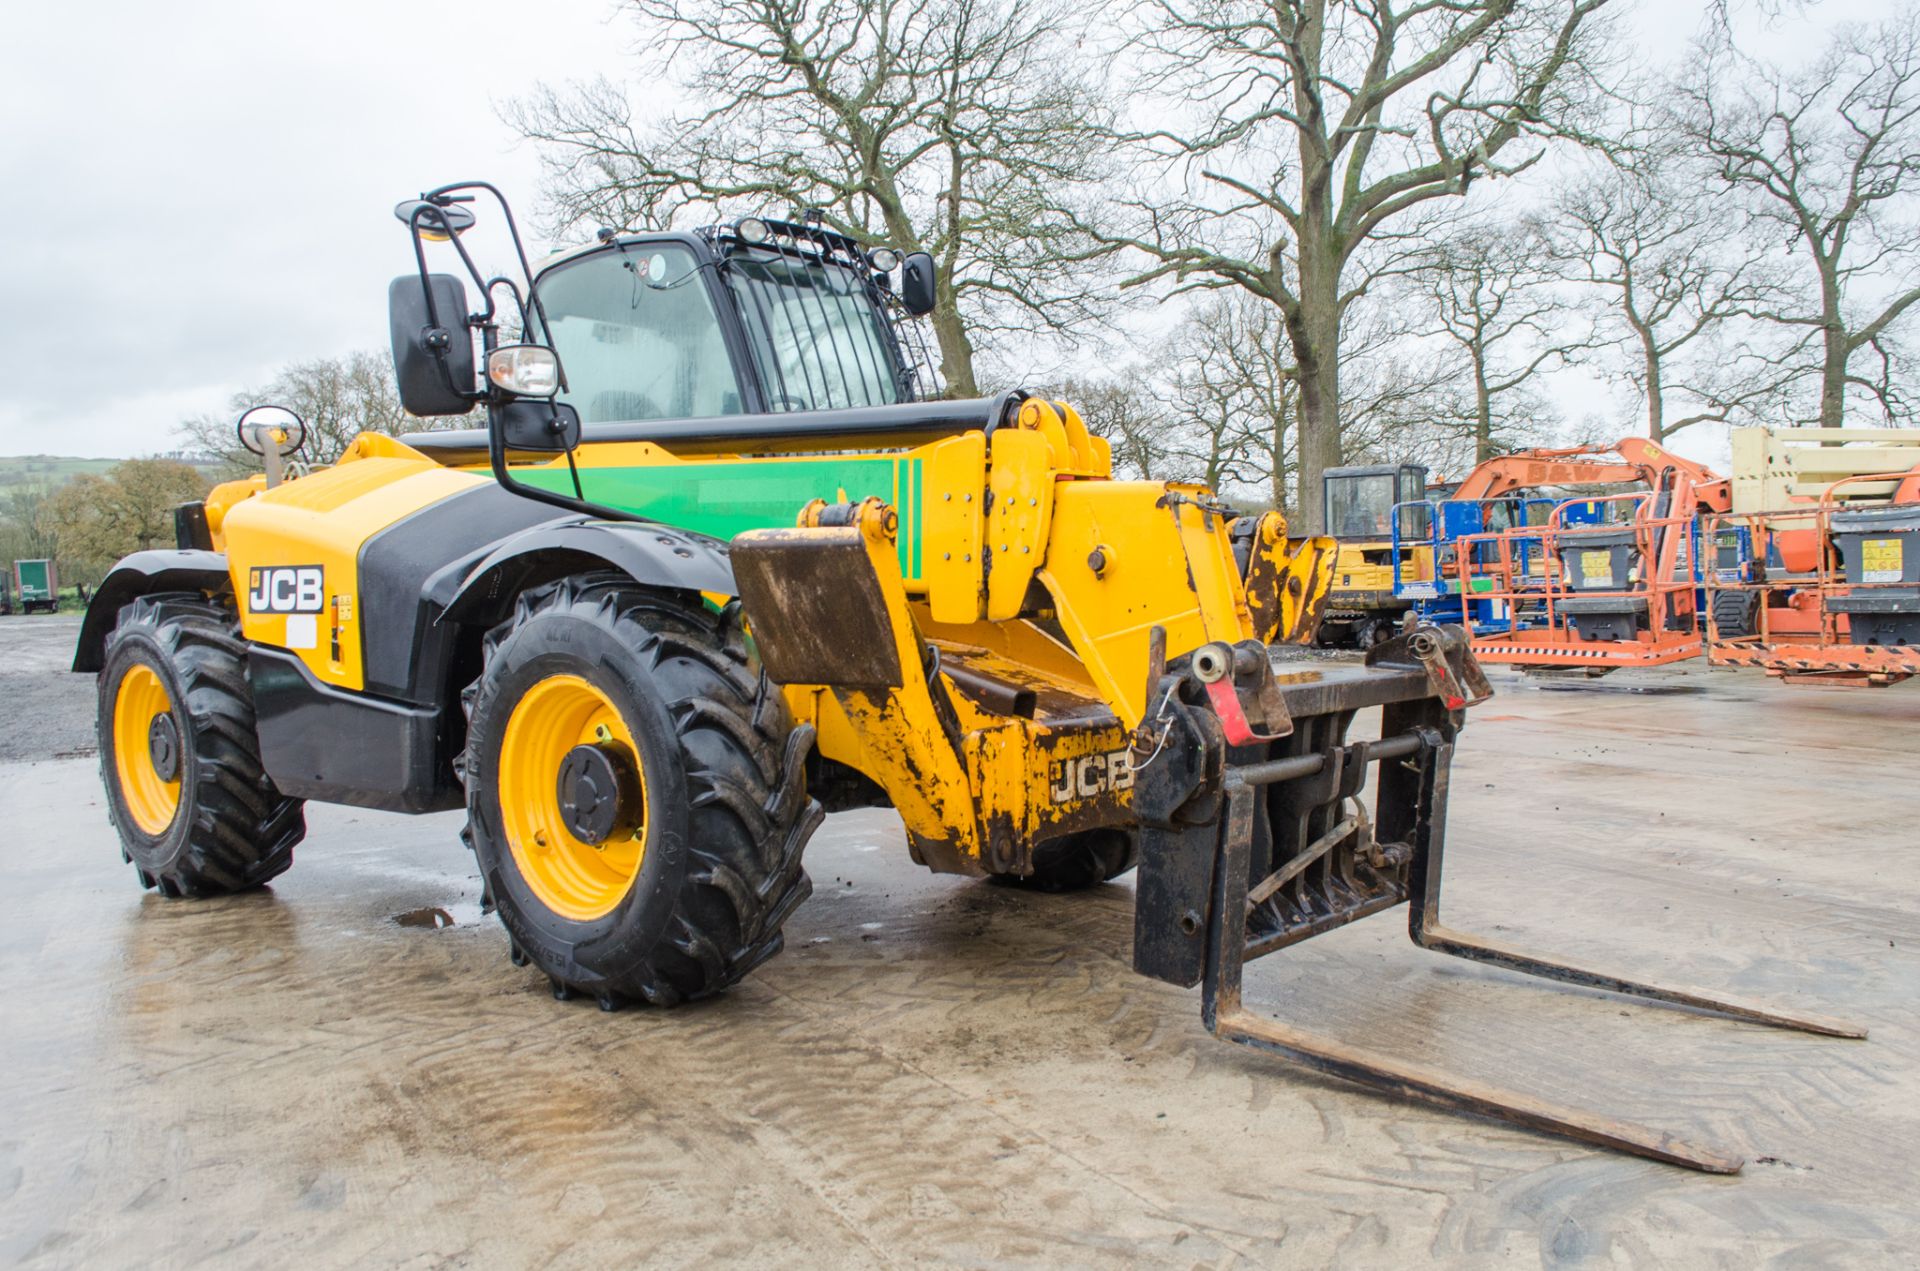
721,561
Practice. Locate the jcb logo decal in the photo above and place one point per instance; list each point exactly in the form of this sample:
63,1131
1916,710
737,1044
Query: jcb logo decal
1090,775
287,589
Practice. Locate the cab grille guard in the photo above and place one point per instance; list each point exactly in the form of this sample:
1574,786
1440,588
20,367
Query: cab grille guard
1248,848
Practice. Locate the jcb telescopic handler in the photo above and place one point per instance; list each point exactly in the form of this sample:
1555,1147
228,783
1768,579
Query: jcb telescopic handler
715,564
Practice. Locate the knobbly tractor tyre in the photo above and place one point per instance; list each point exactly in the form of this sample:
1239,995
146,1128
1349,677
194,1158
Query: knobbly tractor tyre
195,809
636,793
1736,613
1075,862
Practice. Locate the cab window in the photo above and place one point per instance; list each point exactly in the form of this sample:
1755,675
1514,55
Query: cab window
1359,506
639,337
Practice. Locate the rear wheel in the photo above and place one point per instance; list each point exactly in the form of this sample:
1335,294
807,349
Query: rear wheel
196,811
1074,862
636,795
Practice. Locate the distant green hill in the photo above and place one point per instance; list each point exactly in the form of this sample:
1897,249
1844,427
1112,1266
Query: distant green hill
59,469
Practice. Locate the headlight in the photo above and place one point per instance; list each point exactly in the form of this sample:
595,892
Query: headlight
525,370
884,259
752,229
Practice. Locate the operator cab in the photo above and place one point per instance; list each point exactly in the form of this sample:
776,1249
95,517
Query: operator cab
756,316
1360,501
781,331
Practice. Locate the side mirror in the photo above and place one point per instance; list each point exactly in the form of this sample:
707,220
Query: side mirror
545,427
916,283
432,363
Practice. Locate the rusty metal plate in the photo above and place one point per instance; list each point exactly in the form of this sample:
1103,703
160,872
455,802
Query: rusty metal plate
815,608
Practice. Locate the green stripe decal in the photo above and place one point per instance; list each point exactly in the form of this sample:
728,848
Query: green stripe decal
730,497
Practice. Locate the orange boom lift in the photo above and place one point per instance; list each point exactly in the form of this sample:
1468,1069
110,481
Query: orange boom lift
1620,592
1815,573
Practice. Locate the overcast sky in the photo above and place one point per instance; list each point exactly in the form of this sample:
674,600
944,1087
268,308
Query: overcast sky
194,194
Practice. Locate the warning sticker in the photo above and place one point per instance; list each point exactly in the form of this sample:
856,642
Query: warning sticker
1596,569
1880,560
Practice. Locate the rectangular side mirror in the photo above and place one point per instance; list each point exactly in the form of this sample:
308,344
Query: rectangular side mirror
916,284
544,427
432,381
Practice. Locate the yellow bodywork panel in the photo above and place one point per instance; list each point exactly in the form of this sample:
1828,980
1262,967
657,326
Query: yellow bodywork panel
1287,581
986,736
1352,571
954,518
1165,561
293,551
1023,487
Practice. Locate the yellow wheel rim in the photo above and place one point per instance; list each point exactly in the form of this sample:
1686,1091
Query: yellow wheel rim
574,879
152,800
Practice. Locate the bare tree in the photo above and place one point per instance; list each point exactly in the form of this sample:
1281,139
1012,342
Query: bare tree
1235,384
1824,157
949,126
339,398
1301,133
1508,321
1675,276
1233,398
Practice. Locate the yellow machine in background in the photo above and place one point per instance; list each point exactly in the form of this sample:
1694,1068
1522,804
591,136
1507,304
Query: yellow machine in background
1362,506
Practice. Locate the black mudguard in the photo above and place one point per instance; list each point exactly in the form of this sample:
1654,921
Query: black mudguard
654,555
143,574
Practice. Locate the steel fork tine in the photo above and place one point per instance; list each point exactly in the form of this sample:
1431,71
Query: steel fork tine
1427,930
1428,1085
1442,939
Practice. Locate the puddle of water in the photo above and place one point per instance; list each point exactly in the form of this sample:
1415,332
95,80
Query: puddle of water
436,918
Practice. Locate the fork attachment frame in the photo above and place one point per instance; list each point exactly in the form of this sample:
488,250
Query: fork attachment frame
1247,849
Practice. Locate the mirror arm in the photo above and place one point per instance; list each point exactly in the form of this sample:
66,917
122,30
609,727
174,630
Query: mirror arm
497,459
513,231
439,336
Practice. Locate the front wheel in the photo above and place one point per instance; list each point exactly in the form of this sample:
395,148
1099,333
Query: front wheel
196,811
636,795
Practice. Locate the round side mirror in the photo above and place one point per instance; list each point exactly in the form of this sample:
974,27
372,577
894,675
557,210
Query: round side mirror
437,222
276,429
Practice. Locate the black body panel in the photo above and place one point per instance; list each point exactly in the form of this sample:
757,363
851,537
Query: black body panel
321,742
143,574
405,649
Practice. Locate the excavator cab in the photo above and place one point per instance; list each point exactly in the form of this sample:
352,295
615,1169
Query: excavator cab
1368,509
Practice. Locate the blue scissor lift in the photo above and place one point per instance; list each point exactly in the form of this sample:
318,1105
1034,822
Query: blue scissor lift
1439,599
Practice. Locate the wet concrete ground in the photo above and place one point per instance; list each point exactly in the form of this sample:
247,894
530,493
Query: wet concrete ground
347,1070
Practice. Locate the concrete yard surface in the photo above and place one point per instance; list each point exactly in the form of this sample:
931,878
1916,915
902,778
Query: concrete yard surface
345,1069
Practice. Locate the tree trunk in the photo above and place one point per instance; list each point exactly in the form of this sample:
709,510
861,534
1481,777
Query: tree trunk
1656,387
1313,328
1482,408
956,347
1833,375
1313,325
